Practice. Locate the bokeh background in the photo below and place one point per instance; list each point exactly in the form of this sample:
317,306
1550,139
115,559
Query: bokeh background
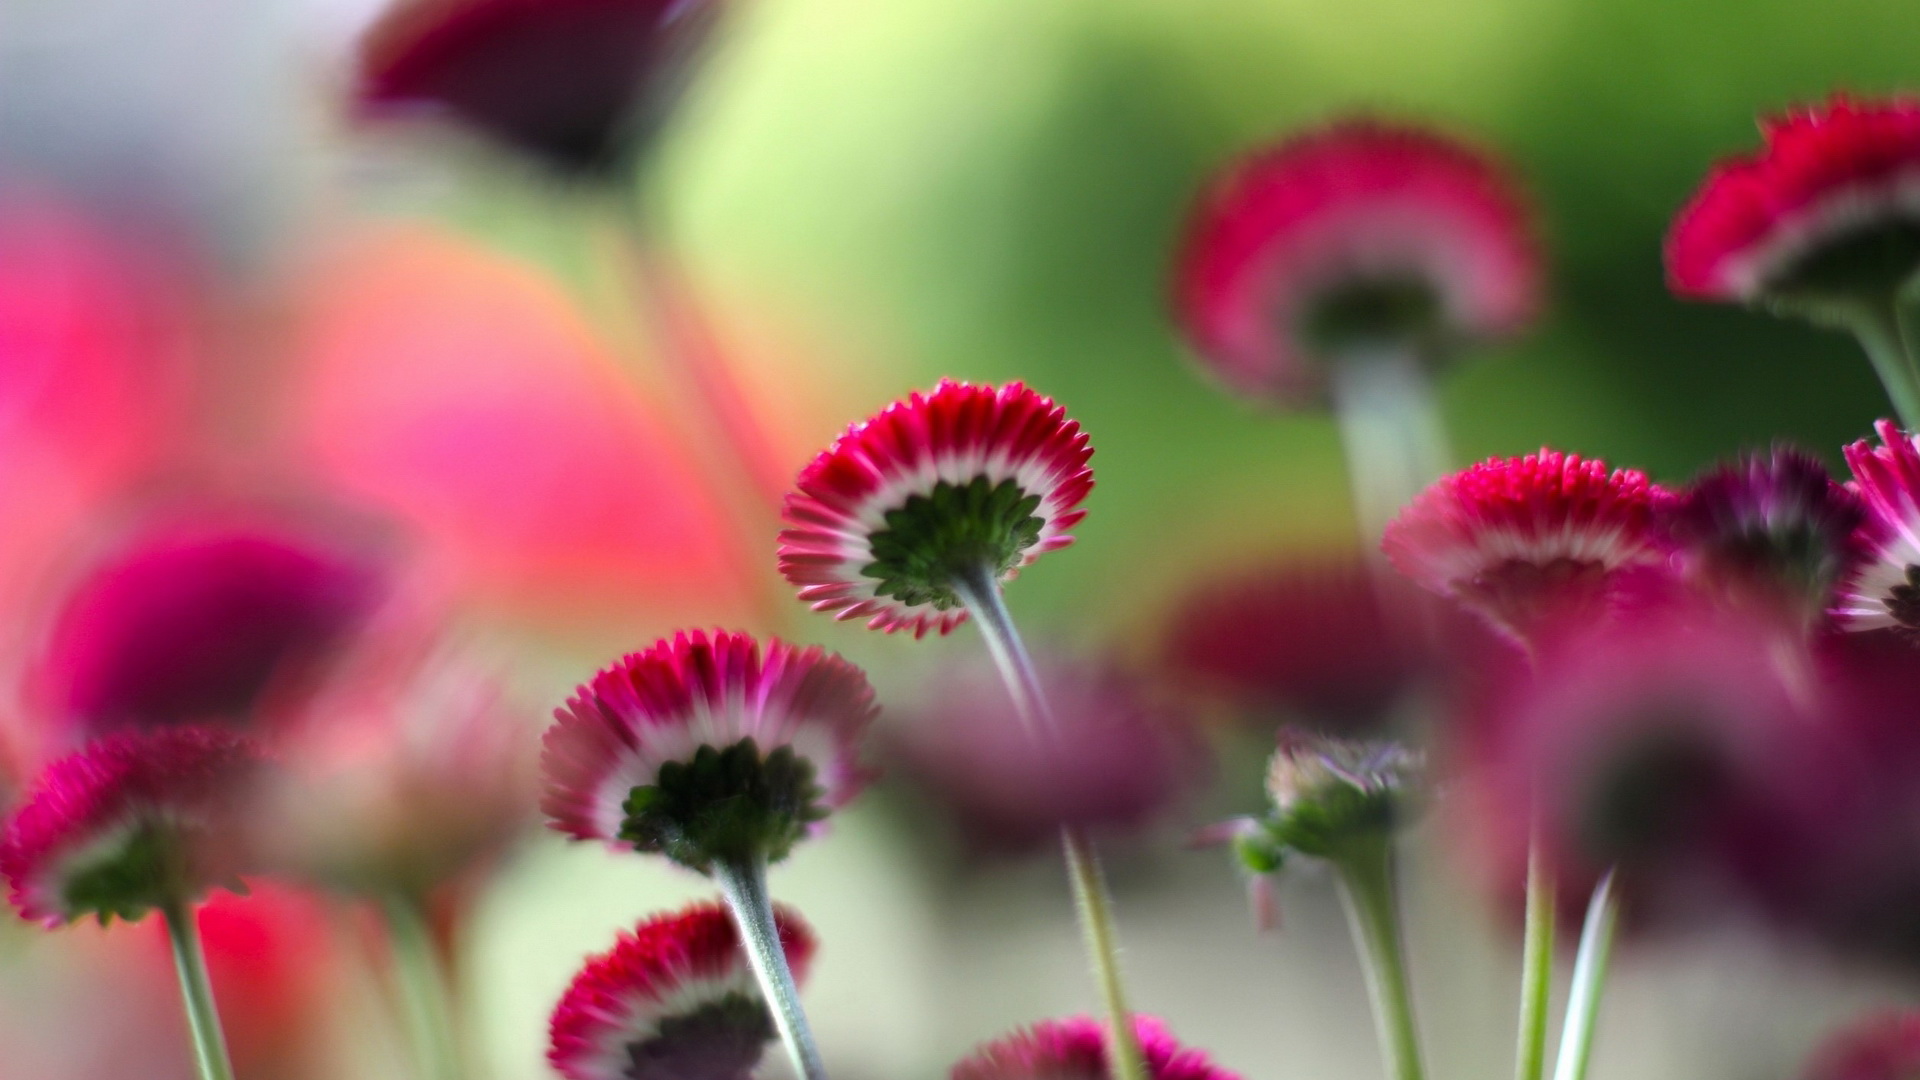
867,197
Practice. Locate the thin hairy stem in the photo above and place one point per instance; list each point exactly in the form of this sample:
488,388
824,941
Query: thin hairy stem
744,884
1370,890
1536,967
190,961
422,982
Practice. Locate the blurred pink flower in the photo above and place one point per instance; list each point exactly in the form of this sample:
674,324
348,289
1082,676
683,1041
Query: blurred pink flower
276,973
1120,755
1076,1049
1885,1046
1886,593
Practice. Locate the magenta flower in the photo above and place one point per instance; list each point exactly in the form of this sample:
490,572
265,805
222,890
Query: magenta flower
1357,235
1307,640
1773,528
560,79
1527,541
965,481
132,822
1886,593
705,747
673,1000
1075,1048
204,620
1885,1046
1830,204
1119,756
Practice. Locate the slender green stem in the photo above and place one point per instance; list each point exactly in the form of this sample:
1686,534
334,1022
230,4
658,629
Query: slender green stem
979,589
1536,967
1370,890
1877,326
422,982
1589,979
190,961
1394,440
744,884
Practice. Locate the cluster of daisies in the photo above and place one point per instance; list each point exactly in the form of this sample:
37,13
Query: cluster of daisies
1641,700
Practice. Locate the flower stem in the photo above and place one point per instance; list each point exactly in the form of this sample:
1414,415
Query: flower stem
744,884
979,590
423,988
1370,890
1877,326
1589,979
190,961
1394,440
1536,967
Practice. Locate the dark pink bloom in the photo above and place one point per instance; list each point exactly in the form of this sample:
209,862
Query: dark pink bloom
201,620
1526,541
561,79
1075,1048
1880,1047
699,719
1309,640
1119,755
1776,529
128,823
1356,232
1887,591
966,478
1833,194
674,1000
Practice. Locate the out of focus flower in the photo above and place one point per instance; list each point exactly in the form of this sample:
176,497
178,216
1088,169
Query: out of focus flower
674,1000
198,620
1357,237
1327,795
130,823
1830,207
1776,528
1117,757
1075,1048
1887,591
705,748
562,80
962,483
400,781
1530,541
275,972
1881,1047
1308,640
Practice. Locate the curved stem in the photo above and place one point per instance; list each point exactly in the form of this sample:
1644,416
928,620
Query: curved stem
190,961
1536,967
1877,326
744,884
1369,888
1589,979
979,589
423,988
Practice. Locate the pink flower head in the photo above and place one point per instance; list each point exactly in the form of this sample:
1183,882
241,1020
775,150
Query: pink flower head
1356,235
1830,203
704,747
1526,541
1118,756
1885,1046
130,822
942,485
1774,528
560,79
674,1000
1886,593
1075,1048
1308,640
203,620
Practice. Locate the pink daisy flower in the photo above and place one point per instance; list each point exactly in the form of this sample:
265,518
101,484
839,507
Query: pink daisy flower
674,1000
1886,592
1527,540
1881,1047
1831,203
129,823
705,747
940,487
1356,235
1076,1049
560,79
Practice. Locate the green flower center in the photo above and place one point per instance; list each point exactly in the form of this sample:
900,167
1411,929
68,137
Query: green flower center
726,805
1870,261
935,538
1372,314
142,871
